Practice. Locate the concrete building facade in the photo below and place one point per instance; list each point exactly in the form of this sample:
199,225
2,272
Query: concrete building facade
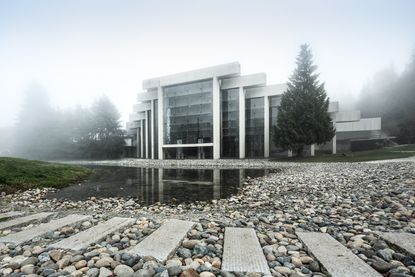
214,113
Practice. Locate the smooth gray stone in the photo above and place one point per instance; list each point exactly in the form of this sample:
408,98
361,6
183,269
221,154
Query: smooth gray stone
242,252
92,235
405,241
336,259
164,241
23,220
43,228
10,214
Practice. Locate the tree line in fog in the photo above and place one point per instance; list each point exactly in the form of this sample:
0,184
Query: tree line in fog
44,132
392,97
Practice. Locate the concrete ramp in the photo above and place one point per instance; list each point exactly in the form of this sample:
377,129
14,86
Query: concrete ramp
23,220
404,241
164,241
85,238
242,252
335,258
37,231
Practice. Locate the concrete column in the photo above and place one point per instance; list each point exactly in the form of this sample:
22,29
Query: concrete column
241,123
216,118
146,136
312,150
266,126
216,184
142,139
152,129
137,146
160,122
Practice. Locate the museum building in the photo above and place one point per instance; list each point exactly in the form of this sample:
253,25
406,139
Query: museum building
214,113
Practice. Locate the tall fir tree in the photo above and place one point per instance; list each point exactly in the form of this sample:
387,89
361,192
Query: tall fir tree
303,117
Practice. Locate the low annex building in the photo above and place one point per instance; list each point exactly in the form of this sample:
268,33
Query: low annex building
215,112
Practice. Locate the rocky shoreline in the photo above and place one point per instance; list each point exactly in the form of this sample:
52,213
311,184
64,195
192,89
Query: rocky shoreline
351,202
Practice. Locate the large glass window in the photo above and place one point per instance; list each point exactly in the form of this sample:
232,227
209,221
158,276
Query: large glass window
254,124
230,123
187,113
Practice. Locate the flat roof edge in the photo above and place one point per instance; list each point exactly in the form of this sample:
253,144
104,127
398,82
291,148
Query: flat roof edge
228,69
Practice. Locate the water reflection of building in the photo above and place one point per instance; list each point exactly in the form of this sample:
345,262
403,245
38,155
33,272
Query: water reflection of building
160,185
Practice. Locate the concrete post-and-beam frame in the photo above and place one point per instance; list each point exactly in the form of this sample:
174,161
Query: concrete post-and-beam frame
160,122
241,123
141,139
216,118
266,127
152,129
146,136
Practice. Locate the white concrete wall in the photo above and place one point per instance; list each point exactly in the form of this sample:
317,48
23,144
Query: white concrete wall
265,91
348,116
365,124
229,69
258,79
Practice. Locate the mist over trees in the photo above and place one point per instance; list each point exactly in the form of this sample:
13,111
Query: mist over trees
303,117
392,97
43,132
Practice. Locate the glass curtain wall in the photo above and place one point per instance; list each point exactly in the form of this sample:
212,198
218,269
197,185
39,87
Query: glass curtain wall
254,127
188,118
230,123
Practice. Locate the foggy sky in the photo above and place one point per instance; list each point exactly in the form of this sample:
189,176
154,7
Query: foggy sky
78,50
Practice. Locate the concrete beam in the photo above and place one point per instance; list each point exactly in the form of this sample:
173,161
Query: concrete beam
365,124
140,107
137,116
348,116
258,79
147,96
223,70
266,91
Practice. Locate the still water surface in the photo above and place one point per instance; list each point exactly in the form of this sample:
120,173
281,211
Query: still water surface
152,185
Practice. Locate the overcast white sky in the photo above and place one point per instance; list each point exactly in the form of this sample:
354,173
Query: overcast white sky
78,50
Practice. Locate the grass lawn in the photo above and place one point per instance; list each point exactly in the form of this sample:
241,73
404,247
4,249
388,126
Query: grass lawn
20,174
397,152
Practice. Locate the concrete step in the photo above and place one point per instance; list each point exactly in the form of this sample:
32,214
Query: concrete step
23,220
92,235
242,252
403,241
336,259
10,214
164,241
37,231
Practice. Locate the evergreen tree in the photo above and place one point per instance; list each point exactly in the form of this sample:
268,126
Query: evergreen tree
303,117
101,135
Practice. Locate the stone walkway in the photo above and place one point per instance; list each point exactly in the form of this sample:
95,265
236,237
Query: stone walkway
242,251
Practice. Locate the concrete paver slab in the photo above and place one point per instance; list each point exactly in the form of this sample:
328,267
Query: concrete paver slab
23,220
335,258
242,252
43,228
92,235
164,241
